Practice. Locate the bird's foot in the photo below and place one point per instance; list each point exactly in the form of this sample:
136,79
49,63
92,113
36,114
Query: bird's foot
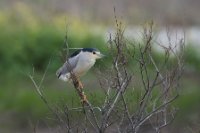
80,85
83,98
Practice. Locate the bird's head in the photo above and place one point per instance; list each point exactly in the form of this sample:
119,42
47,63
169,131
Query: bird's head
92,53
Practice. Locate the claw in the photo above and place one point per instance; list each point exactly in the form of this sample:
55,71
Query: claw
84,98
80,84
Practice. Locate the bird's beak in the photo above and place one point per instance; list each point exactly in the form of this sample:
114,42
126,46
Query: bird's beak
101,55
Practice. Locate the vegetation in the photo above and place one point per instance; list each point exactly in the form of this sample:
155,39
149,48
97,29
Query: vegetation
27,40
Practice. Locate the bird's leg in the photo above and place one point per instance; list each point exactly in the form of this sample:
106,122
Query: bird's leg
82,95
79,87
80,84
77,82
83,98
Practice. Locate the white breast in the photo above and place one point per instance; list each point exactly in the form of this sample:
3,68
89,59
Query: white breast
84,64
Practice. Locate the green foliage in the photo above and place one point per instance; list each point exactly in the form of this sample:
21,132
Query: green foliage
192,57
28,41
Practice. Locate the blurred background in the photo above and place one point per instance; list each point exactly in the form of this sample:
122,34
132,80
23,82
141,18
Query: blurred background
32,33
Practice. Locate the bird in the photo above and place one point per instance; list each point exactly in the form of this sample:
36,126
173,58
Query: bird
78,63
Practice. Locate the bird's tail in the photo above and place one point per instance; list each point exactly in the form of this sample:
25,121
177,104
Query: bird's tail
58,73
62,76
65,77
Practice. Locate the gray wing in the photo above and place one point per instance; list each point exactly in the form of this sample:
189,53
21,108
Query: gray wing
67,66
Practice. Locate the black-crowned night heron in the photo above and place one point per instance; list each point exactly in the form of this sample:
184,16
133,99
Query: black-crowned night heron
79,63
